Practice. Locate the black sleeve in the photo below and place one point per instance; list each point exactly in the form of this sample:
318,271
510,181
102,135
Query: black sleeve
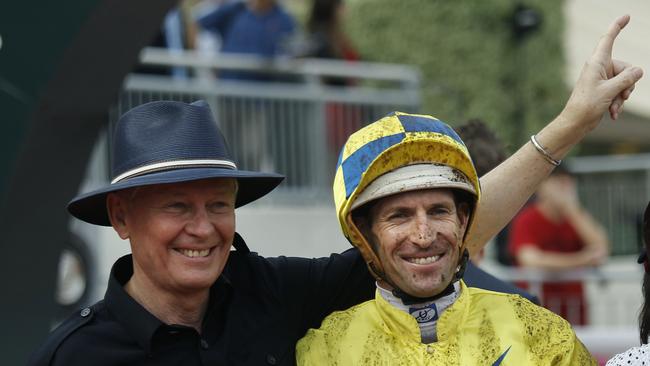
334,283
304,290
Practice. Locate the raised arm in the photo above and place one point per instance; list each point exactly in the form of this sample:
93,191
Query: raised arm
604,85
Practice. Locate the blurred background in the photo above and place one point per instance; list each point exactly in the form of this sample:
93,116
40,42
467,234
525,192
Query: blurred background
288,86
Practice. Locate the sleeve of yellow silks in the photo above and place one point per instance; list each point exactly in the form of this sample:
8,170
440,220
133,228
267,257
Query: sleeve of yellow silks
579,355
534,335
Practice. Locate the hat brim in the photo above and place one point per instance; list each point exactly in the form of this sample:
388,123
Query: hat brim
91,206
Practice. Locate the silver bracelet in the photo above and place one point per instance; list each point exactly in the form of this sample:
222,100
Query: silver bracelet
543,151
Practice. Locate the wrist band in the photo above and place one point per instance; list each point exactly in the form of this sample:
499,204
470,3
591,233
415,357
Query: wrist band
543,151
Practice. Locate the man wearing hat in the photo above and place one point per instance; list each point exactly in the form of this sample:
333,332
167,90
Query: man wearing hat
182,297
406,195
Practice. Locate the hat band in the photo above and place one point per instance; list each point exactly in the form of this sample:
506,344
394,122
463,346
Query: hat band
198,163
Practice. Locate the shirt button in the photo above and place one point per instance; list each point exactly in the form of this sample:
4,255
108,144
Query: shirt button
204,344
85,312
429,349
270,359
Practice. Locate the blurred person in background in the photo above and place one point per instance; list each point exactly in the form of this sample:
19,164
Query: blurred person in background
257,28
327,38
638,356
487,152
555,233
254,27
176,35
483,144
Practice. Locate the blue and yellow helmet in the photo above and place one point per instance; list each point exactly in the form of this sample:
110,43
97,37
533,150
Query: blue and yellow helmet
389,144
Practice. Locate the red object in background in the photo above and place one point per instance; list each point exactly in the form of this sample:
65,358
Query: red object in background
341,121
531,228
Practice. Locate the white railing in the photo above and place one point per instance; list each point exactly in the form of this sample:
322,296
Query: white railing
294,125
612,292
615,189
308,68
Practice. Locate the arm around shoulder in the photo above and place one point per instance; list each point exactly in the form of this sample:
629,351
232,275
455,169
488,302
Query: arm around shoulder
314,288
339,282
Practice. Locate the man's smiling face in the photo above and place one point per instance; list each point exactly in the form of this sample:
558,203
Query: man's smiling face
180,233
417,236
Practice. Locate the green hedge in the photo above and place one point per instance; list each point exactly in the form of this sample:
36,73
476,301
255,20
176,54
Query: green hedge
471,63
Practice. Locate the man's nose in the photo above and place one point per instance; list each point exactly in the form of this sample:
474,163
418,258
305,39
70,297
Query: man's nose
200,224
424,233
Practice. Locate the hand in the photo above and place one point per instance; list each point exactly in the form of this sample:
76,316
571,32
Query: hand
604,83
593,257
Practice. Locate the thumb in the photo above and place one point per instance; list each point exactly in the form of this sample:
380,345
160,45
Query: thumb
624,80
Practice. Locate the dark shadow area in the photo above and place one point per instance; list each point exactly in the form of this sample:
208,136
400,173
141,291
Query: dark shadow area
61,66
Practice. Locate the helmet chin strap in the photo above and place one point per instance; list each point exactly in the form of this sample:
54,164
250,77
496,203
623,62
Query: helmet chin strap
408,299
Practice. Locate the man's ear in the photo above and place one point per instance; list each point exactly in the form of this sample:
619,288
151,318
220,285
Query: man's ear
117,210
363,224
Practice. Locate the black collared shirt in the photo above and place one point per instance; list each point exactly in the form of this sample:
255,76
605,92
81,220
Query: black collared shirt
258,309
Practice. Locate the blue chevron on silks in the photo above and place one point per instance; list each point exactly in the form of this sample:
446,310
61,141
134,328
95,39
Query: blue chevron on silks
501,358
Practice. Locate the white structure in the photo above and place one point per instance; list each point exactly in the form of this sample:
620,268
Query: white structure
586,20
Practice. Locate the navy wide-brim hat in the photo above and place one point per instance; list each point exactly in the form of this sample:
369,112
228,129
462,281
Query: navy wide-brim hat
169,142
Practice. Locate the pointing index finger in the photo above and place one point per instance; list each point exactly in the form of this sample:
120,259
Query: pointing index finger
604,47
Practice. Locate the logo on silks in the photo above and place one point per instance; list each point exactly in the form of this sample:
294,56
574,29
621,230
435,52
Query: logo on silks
425,314
501,358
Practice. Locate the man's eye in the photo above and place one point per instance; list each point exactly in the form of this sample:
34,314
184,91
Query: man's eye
397,215
440,211
177,206
219,206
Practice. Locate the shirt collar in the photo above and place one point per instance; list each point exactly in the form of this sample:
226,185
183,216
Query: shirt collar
141,324
455,315
401,323
425,313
